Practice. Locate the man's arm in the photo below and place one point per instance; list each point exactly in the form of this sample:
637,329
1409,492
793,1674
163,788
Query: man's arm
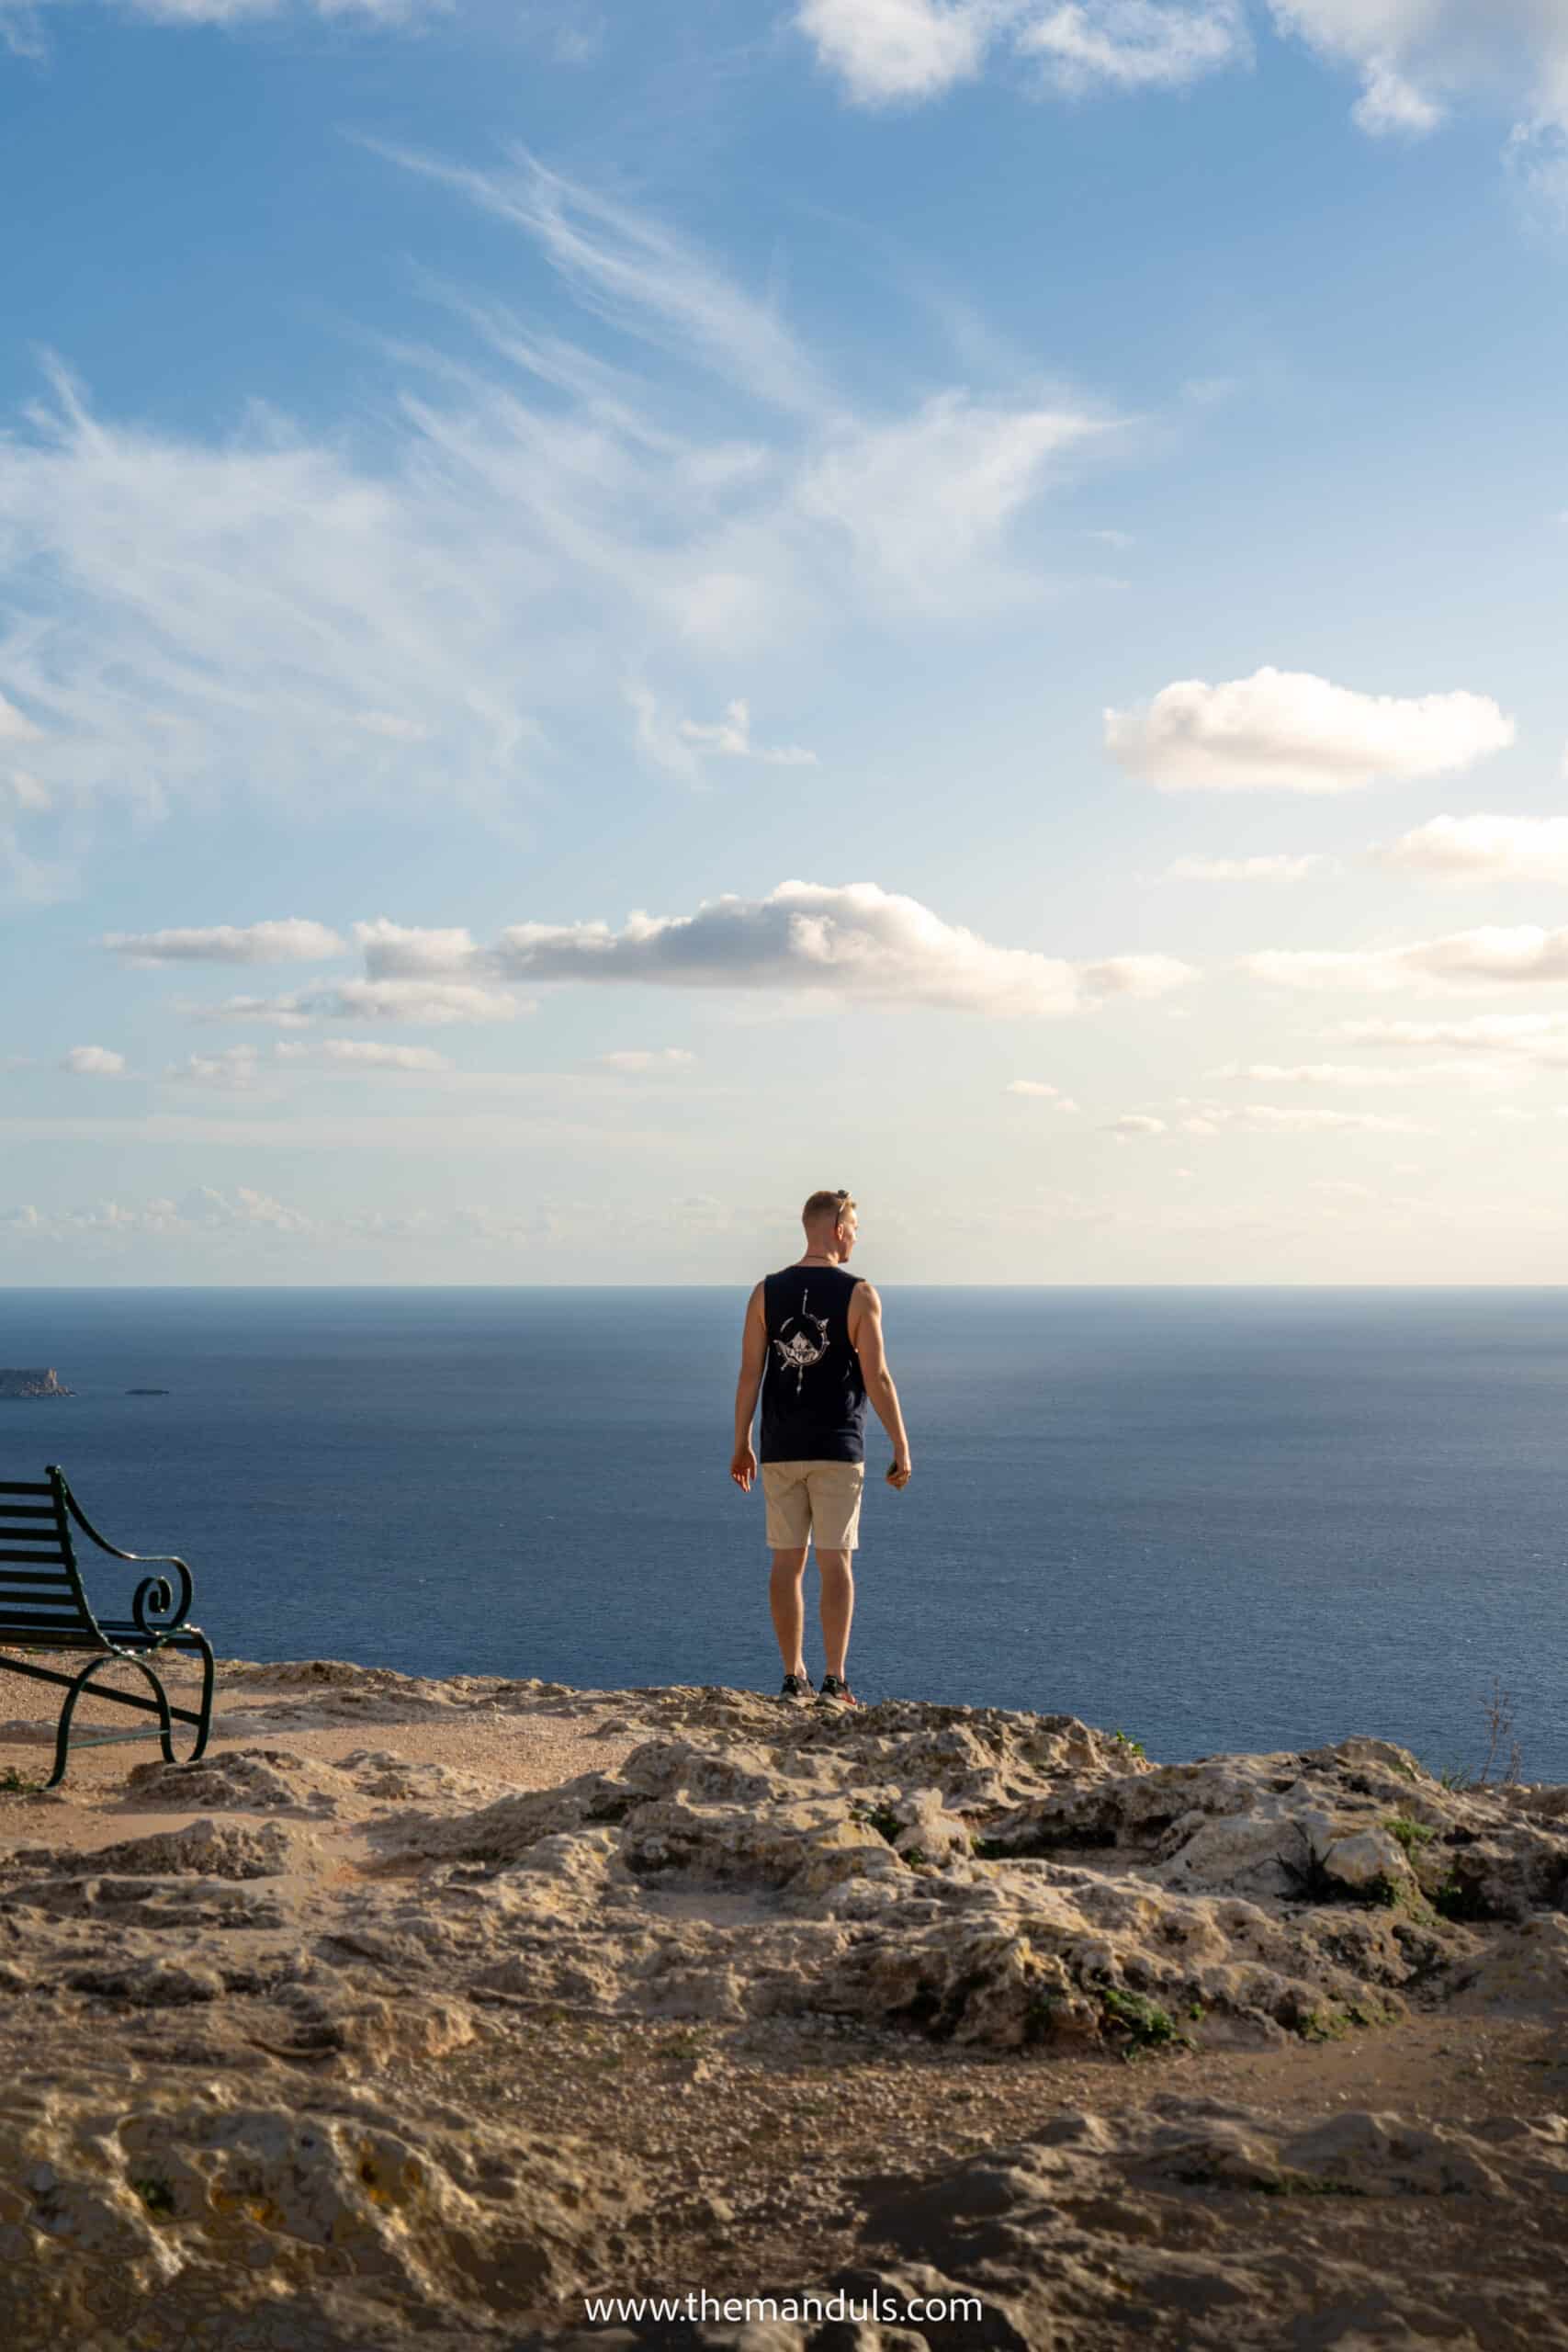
753,1356
865,1337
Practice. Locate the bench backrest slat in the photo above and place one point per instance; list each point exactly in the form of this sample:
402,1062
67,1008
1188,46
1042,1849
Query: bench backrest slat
40,1592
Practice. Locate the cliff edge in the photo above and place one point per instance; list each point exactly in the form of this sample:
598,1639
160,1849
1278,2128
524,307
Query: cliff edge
440,2005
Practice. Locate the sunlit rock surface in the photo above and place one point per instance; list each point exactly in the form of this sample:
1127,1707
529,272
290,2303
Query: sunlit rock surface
260,2069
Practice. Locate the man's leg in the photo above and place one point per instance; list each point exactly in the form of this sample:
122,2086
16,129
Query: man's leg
837,1572
788,1607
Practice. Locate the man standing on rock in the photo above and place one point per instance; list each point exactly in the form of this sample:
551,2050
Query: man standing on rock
812,1343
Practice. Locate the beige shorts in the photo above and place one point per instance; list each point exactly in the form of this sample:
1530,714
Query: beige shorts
812,1501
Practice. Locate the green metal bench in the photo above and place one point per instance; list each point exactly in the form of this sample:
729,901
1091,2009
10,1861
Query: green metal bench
44,1606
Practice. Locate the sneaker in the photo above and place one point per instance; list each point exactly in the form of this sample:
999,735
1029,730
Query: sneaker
836,1689
796,1686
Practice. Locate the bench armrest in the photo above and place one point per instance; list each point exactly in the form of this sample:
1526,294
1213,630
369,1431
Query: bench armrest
155,1597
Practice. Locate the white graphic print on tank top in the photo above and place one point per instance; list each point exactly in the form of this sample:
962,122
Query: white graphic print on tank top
797,1350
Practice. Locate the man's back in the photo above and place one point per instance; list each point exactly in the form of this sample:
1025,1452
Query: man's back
813,1387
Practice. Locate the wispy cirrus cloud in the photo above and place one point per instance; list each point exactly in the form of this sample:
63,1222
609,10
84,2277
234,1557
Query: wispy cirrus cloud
641,1061
1493,955
1356,1075
1291,1119
1133,44
240,1069
449,597
1272,867
731,737
1287,731
1508,1037
854,940
290,941
14,726
205,1210
419,1004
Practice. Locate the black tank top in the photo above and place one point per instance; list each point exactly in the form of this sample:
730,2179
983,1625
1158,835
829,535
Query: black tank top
813,1393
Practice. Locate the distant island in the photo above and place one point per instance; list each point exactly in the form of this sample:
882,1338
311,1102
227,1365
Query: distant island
147,1392
32,1383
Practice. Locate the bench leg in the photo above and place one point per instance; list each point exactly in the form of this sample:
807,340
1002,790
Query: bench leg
205,1725
166,1721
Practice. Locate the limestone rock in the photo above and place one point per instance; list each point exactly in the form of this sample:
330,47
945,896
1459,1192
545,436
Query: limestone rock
274,2114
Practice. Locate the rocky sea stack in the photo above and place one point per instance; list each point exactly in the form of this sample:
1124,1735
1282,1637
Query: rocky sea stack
32,1383
426,2033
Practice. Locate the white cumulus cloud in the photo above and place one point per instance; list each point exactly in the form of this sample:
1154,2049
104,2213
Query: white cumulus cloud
1136,1123
94,1061
1389,106
1287,731
1497,848
1040,1090
892,53
401,951
888,50
855,940
290,941
1415,55
852,940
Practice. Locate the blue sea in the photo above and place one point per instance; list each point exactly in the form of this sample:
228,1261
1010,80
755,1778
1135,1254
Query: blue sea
1212,1519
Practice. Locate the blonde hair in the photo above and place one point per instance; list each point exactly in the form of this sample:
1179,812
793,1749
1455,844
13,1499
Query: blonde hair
835,1204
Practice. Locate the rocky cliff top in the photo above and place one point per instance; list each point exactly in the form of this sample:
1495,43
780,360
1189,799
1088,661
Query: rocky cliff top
343,2028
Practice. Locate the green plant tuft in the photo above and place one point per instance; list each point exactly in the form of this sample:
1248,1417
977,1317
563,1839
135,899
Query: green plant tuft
1321,2025
1144,2023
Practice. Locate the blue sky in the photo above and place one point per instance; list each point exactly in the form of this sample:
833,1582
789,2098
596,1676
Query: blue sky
609,614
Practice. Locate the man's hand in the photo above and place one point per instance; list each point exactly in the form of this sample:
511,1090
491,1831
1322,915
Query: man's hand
901,1471
743,1466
